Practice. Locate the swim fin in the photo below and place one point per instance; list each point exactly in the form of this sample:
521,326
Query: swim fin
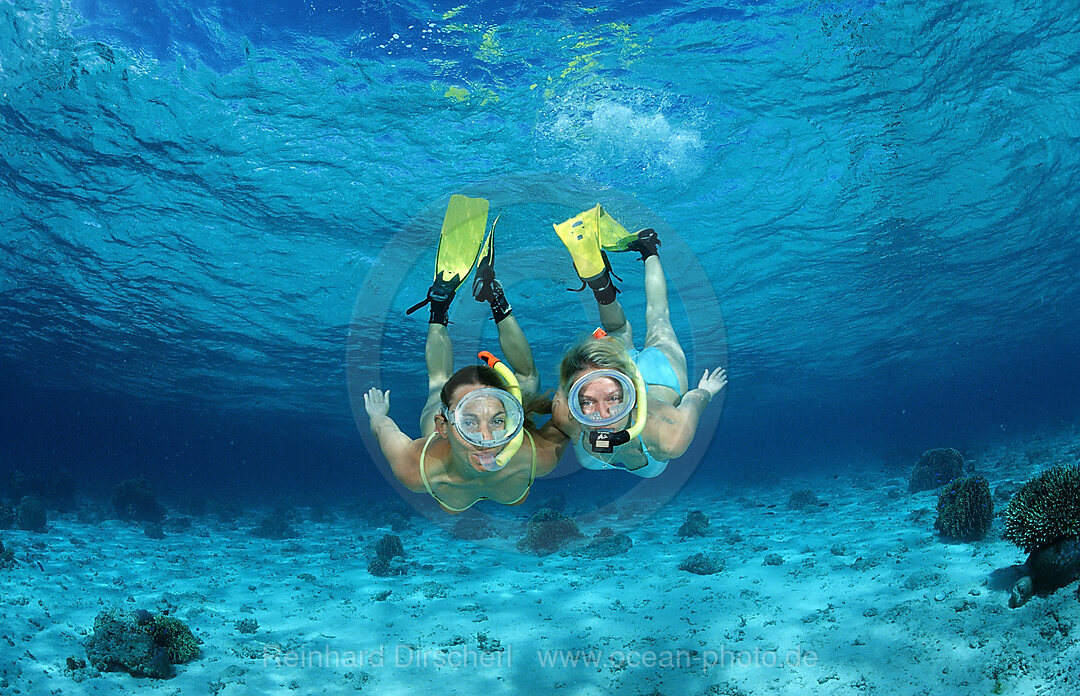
613,236
485,263
460,242
581,235
486,288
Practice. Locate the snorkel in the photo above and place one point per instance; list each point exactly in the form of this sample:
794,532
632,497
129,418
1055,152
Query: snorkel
602,439
512,386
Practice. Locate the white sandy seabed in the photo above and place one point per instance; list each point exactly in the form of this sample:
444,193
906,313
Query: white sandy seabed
867,599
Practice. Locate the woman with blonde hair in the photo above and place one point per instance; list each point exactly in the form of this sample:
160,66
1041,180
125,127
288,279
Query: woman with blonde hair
622,408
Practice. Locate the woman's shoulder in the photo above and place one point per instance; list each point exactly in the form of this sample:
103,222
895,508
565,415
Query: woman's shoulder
428,452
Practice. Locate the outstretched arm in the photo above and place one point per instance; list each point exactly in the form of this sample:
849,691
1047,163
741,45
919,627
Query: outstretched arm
679,425
398,448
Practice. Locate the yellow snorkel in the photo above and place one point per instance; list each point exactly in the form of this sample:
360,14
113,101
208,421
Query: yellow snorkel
641,408
510,382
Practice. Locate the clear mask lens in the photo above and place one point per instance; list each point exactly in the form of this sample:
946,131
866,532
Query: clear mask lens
487,417
602,398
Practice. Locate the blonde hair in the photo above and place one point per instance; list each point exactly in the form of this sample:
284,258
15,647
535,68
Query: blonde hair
591,353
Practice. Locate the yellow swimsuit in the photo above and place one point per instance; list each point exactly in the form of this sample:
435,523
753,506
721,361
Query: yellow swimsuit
423,476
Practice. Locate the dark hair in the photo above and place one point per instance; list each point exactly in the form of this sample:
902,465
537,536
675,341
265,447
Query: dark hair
470,374
482,374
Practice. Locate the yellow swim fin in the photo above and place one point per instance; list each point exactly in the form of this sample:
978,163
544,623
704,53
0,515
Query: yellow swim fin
462,235
581,235
613,236
486,288
485,257
460,242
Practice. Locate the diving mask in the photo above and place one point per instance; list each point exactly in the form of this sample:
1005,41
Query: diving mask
487,417
602,398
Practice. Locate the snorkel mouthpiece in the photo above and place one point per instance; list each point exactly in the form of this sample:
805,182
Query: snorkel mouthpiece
487,460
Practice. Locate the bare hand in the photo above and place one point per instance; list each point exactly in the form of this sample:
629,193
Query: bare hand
713,382
376,402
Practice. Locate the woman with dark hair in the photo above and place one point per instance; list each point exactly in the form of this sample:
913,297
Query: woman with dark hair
477,441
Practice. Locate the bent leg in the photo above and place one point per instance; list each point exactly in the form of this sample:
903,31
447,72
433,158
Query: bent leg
439,356
518,354
659,332
613,321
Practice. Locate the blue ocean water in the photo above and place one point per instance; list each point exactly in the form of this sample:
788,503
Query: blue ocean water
195,196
